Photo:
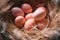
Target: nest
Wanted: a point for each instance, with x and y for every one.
(9, 29)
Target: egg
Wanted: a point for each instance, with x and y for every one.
(43, 24)
(19, 21)
(16, 11)
(29, 16)
(26, 8)
(29, 24)
(39, 14)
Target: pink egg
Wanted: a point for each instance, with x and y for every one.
(29, 24)
(16, 11)
(19, 21)
(26, 8)
(29, 16)
(43, 24)
(39, 14)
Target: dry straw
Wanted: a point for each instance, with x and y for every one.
(34, 33)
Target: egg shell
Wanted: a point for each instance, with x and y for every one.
(39, 14)
(19, 21)
(29, 16)
(43, 24)
(29, 24)
(26, 8)
(16, 11)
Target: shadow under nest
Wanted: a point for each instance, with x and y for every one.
(9, 31)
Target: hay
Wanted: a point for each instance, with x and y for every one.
(34, 34)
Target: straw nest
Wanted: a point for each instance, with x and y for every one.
(14, 33)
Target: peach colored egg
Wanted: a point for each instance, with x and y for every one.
(29, 16)
(19, 21)
(29, 24)
(16, 11)
(43, 24)
(39, 14)
(26, 8)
